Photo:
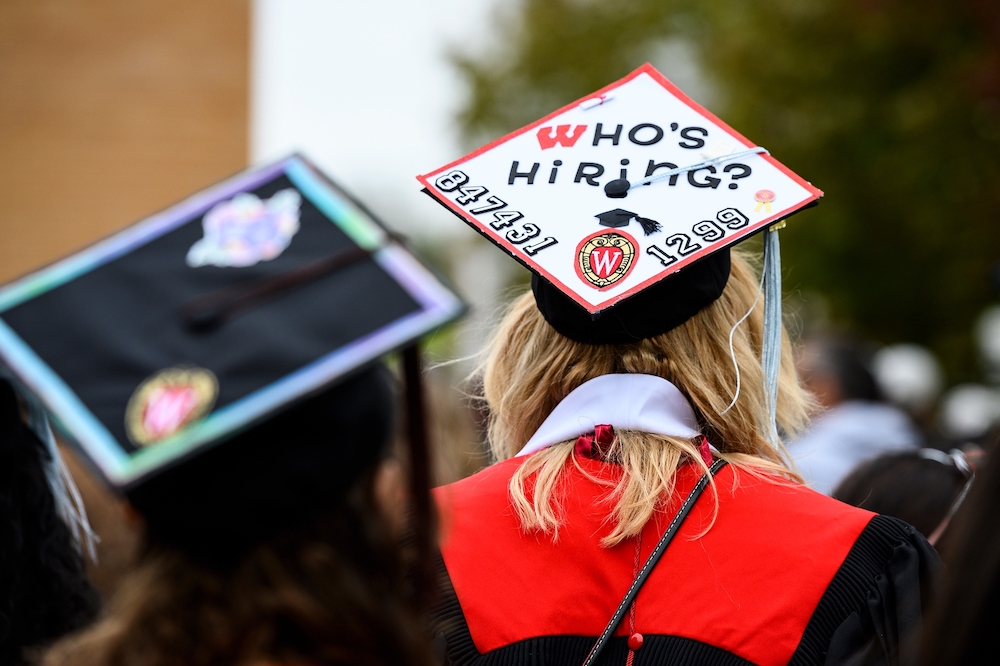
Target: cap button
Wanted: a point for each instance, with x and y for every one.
(635, 641)
(617, 188)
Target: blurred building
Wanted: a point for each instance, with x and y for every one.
(111, 110)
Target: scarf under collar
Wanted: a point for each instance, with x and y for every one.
(645, 403)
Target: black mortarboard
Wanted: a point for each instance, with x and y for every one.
(544, 194)
(618, 218)
(663, 306)
(243, 490)
(205, 322)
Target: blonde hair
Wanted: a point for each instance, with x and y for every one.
(529, 368)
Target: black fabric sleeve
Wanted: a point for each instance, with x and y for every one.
(872, 611)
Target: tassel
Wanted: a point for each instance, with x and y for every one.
(771, 353)
(649, 226)
(69, 503)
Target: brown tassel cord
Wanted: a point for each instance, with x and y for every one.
(420, 469)
(210, 311)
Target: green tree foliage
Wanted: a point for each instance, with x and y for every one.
(892, 107)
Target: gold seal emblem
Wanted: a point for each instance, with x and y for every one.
(168, 401)
(605, 258)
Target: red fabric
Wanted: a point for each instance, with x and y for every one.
(596, 444)
(706, 452)
(749, 585)
(585, 444)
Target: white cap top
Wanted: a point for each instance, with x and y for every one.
(619, 190)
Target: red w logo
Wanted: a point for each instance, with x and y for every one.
(605, 260)
(168, 409)
(549, 137)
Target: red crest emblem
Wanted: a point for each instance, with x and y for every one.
(168, 401)
(605, 258)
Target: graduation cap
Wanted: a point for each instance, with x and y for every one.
(618, 218)
(696, 185)
(700, 186)
(250, 301)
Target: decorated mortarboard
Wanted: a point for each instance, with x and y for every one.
(623, 205)
(608, 197)
(212, 316)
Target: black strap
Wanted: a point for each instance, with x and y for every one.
(654, 557)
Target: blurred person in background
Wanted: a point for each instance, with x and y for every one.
(856, 424)
(924, 488)
(969, 415)
(278, 546)
(910, 377)
(44, 592)
(961, 626)
(243, 413)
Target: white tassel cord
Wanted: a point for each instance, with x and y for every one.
(757, 150)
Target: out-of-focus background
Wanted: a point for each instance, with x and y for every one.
(113, 109)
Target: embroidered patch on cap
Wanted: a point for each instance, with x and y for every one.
(245, 230)
(605, 258)
(168, 401)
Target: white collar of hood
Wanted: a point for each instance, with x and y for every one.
(645, 403)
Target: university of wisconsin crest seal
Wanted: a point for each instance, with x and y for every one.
(168, 401)
(605, 258)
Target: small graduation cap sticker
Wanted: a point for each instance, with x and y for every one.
(213, 315)
(547, 193)
(618, 218)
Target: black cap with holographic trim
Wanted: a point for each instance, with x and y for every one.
(176, 352)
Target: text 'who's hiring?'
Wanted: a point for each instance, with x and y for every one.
(641, 135)
(619, 190)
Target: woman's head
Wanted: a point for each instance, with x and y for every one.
(530, 367)
(272, 547)
(961, 627)
(918, 487)
(329, 589)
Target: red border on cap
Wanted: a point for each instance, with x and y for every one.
(511, 249)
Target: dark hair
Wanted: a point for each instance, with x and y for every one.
(273, 476)
(330, 592)
(270, 547)
(908, 486)
(44, 592)
(961, 628)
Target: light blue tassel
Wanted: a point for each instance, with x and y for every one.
(771, 353)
